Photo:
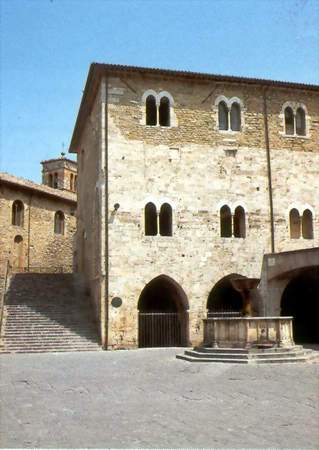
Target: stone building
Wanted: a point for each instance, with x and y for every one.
(37, 221)
(186, 180)
(60, 173)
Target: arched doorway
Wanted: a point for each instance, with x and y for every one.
(163, 314)
(18, 256)
(223, 299)
(300, 299)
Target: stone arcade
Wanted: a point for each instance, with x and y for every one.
(185, 181)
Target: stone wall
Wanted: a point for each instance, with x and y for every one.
(40, 246)
(196, 169)
(91, 198)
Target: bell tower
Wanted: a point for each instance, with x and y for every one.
(60, 173)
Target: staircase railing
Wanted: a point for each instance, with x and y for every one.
(3, 293)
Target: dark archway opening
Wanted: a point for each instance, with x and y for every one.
(301, 300)
(165, 220)
(150, 217)
(151, 111)
(223, 299)
(225, 221)
(239, 223)
(163, 314)
(164, 113)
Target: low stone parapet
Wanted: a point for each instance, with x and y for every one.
(246, 332)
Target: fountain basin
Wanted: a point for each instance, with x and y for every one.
(248, 332)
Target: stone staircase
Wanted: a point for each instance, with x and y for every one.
(296, 354)
(47, 312)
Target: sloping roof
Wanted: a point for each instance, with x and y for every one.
(41, 189)
(98, 69)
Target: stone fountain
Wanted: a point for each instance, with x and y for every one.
(250, 338)
(249, 330)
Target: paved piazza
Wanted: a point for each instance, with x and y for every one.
(147, 398)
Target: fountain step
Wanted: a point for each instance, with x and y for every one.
(296, 354)
(244, 361)
(248, 355)
(245, 351)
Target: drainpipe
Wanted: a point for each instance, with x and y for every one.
(29, 231)
(104, 213)
(270, 191)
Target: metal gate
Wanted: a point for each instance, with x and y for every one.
(161, 329)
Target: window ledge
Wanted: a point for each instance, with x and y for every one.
(229, 131)
(159, 126)
(157, 237)
(301, 239)
(294, 136)
(232, 238)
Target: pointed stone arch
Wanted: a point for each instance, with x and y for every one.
(163, 314)
(223, 298)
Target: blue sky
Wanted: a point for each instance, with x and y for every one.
(48, 45)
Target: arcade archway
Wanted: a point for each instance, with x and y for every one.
(223, 299)
(300, 299)
(163, 314)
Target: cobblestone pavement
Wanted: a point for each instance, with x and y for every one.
(147, 398)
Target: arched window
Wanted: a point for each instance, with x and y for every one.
(164, 113)
(151, 110)
(294, 222)
(71, 182)
(18, 260)
(75, 182)
(165, 220)
(50, 180)
(235, 122)
(17, 213)
(150, 218)
(55, 180)
(59, 222)
(222, 116)
(225, 221)
(300, 122)
(289, 121)
(307, 225)
(239, 222)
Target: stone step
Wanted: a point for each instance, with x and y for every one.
(235, 355)
(53, 350)
(49, 344)
(43, 320)
(243, 361)
(50, 335)
(45, 312)
(49, 338)
(245, 350)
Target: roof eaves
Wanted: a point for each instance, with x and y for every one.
(34, 188)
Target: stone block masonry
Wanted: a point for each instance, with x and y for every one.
(34, 243)
(194, 167)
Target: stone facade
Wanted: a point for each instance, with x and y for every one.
(34, 242)
(194, 167)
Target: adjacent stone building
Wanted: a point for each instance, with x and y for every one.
(38, 222)
(185, 180)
